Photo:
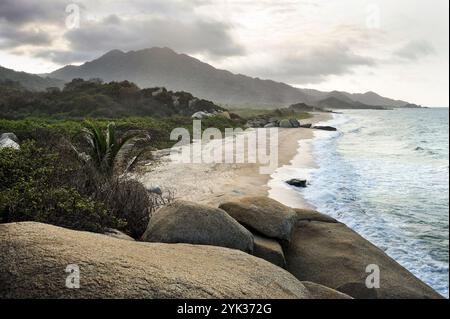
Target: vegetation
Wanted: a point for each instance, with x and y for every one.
(158, 129)
(107, 151)
(35, 184)
(69, 171)
(79, 99)
(281, 113)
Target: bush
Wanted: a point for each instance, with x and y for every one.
(33, 187)
(128, 200)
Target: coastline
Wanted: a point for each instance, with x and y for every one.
(212, 184)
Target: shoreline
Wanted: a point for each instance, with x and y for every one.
(212, 184)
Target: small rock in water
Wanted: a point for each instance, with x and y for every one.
(325, 128)
(297, 182)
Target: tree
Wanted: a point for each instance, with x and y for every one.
(111, 154)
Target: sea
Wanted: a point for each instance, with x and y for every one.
(385, 174)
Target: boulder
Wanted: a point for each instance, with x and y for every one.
(225, 114)
(297, 182)
(187, 222)
(331, 254)
(322, 292)
(271, 124)
(294, 122)
(117, 234)
(285, 123)
(268, 249)
(308, 125)
(11, 136)
(200, 115)
(312, 215)
(36, 260)
(256, 123)
(267, 216)
(325, 128)
(9, 140)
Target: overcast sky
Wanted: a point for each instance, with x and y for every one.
(398, 48)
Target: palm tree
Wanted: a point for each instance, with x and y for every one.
(108, 152)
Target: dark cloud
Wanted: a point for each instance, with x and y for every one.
(198, 36)
(11, 37)
(313, 66)
(18, 12)
(143, 24)
(415, 50)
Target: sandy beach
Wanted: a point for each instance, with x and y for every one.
(219, 182)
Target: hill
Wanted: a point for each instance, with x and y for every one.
(29, 81)
(80, 99)
(164, 67)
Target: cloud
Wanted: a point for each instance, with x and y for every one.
(63, 56)
(19, 12)
(312, 65)
(415, 50)
(197, 36)
(142, 24)
(11, 37)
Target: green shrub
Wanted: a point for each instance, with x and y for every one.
(33, 187)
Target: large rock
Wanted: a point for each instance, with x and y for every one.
(10, 136)
(322, 292)
(297, 182)
(186, 222)
(312, 215)
(264, 215)
(269, 249)
(34, 258)
(200, 115)
(333, 255)
(9, 140)
(117, 234)
(285, 123)
(295, 123)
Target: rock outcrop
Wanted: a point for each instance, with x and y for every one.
(323, 292)
(34, 259)
(117, 234)
(187, 222)
(297, 182)
(285, 123)
(269, 249)
(312, 215)
(9, 140)
(265, 215)
(331, 254)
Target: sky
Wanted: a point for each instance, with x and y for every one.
(397, 48)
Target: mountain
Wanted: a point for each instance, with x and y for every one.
(163, 67)
(29, 81)
(372, 98)
(333, 102)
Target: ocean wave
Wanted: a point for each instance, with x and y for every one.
(371, 180)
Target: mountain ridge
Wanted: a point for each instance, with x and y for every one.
(163, 67)
(32, 82)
